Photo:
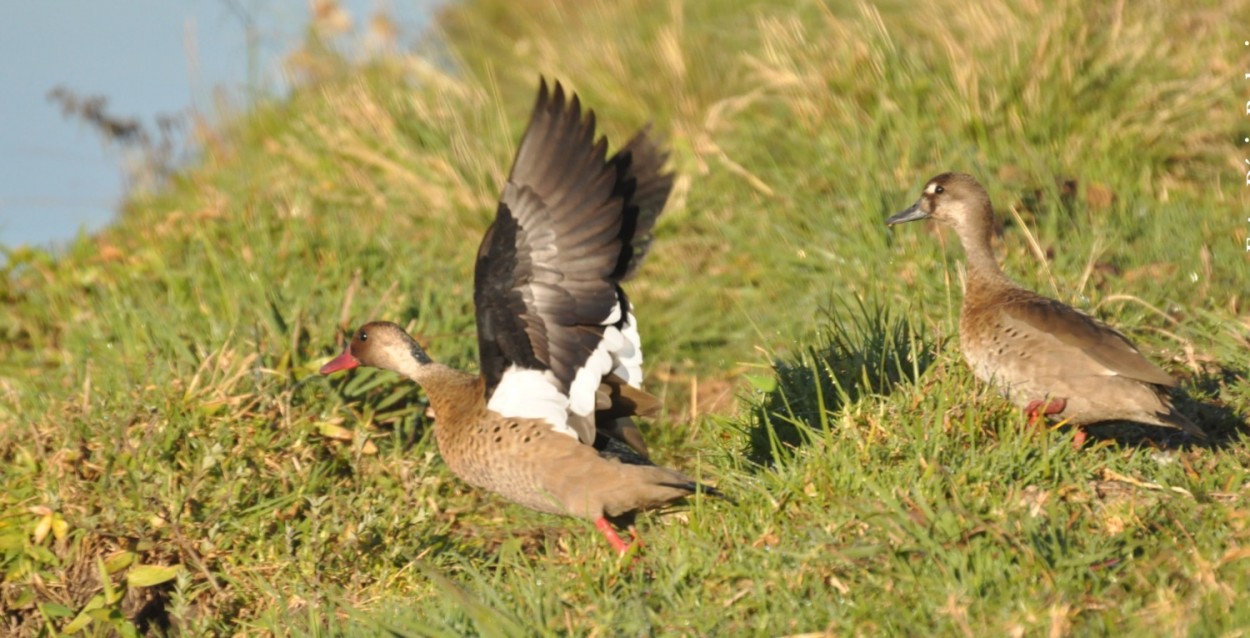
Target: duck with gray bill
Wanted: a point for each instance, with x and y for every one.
(549, 422)
(1046, 357)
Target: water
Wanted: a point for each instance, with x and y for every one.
(148, 57)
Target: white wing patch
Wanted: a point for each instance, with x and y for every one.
(619, 352)
(532, 394)
(629, 358)
(591, 374)
(615, 315)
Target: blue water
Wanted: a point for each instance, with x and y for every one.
(148, 57)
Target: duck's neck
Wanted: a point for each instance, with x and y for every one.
(984, 274)
(455, 396)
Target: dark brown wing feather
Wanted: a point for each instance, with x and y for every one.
(641, 161)
(542, 283)
(1086, 337)
(569, 228)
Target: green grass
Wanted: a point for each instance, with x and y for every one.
(159, 404)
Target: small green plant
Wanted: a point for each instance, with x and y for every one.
(863, 351)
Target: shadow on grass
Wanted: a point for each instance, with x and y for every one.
(865, 351)
(1224, 426)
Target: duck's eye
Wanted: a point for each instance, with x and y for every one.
(938, 189)
(363, 336)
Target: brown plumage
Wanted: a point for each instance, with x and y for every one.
(1046, 357)
(549, 422)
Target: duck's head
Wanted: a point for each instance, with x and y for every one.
(952, 198)
(379, 344)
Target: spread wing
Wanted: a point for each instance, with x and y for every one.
(642, 159)
(552, 320)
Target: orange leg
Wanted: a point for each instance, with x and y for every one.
(604, 526)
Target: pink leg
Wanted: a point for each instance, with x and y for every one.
(604, 526)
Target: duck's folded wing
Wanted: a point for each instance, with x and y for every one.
(1085, 342)
(550, 316)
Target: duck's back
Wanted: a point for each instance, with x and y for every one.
(526, 462)
(1035, 348)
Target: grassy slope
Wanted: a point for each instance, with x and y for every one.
(158, 402)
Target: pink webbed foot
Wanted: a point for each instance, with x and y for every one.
(1040, 409)
(613, 538)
